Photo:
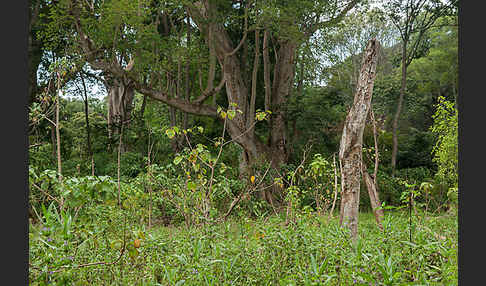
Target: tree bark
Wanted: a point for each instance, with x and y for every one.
(282, 83)
(88, 131)
(371, 182)
(373, 193)
(120, 102)
(350, 150)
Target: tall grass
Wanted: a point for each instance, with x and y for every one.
(313, 251)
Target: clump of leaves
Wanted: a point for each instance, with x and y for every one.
(446, 148)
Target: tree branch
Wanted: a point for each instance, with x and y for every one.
(331, 21)
(178, 103)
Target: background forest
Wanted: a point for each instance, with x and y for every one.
(190, 140)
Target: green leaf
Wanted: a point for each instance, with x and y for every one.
(191, 186)
(133, 252)
(260, 115)
(200, 148)
(177, 160)
(170, 133)
(231, 114)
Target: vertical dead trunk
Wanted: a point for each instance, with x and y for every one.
(399, 108)
(350, 150)
(373, 193)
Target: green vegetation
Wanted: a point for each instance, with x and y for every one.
(197, 143)
(313, 251)
(92, 239)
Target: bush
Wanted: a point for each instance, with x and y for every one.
(446, 149)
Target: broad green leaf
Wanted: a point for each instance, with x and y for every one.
(231, 114)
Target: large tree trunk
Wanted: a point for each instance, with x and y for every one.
(240, 127)
(350, 150)
(282, 84)
(120, 101)
(399, 108)
(283, 77)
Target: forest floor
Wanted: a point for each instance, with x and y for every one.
(311, 251)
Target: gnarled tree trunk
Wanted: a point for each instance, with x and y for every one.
(120, 101)
(350, 150)
(234, 74)
(277, 92)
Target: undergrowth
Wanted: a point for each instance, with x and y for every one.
(111, 249)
